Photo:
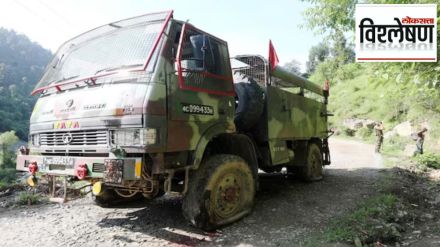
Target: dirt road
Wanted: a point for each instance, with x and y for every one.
(285, 213)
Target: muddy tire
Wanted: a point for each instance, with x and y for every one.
(313, 170)
(250, 97)
(110, 198)
(220, 192)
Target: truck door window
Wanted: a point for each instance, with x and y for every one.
(203, 63)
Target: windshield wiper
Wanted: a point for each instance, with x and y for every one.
(118, 67)
(58, 62)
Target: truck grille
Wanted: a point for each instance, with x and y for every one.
(75, 138)
(98, 167)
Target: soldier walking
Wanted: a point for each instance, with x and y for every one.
(379, 135)
(420, 139)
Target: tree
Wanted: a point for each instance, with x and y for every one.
(317, 55)
(21, 65)
(329, 16)
(341, 50)
(7, 140)
(293, 66)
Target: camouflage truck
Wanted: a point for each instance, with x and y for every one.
(150, 105)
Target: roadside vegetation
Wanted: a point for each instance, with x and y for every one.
(21, 65)
(29, 198)
(428, 160)
(373, 220)
(403, 210)
(7, 159)
(9, 186)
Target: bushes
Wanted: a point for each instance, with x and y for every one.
(372, 220)
(28, 198)
(396, 143)
(347, 131)
(7, 176)
(364, 133)
(428, 160)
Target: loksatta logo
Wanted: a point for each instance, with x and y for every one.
(396, 32)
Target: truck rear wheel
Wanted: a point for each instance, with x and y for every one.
(220, 192)
(250, 101)
(313, 170)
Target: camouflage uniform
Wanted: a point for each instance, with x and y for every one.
(379, 136)
(419, 141)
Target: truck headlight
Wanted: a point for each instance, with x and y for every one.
(134, 137)
(35, 140)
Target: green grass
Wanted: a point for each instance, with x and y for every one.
(370, 220)
(7, 177)
(29, 198)
(428, 160)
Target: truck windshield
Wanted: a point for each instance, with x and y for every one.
(119, 45)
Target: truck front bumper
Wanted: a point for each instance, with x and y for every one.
(97, 167)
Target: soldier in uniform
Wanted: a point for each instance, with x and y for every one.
(420, 139)
(379, 136)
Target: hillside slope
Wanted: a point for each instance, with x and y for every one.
(362, 91)
(21, 65)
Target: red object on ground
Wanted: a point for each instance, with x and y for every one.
(273, 57)
(33, 167)
(81, 171)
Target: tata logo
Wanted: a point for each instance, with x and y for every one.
(67, 138)
(69, 103)
(66, 125)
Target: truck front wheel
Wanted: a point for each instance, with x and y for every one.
(220, 192)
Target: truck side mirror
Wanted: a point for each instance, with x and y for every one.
(197, 54)
(193, 54)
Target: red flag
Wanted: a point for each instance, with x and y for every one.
(273, 58)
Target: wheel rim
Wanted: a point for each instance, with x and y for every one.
(227, 198)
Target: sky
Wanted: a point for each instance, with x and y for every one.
(246, 25)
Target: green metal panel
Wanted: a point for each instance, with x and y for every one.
(292, 116)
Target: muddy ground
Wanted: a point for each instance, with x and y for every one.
(286, 212)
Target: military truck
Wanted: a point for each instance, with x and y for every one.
(150, 105)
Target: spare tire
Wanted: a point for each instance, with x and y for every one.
(250, 98)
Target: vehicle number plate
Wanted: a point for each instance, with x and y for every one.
(68, 162)
(197, 109)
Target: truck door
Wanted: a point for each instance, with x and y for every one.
(202, 93)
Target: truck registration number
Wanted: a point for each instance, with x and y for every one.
(197, 109)
(67, 162)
